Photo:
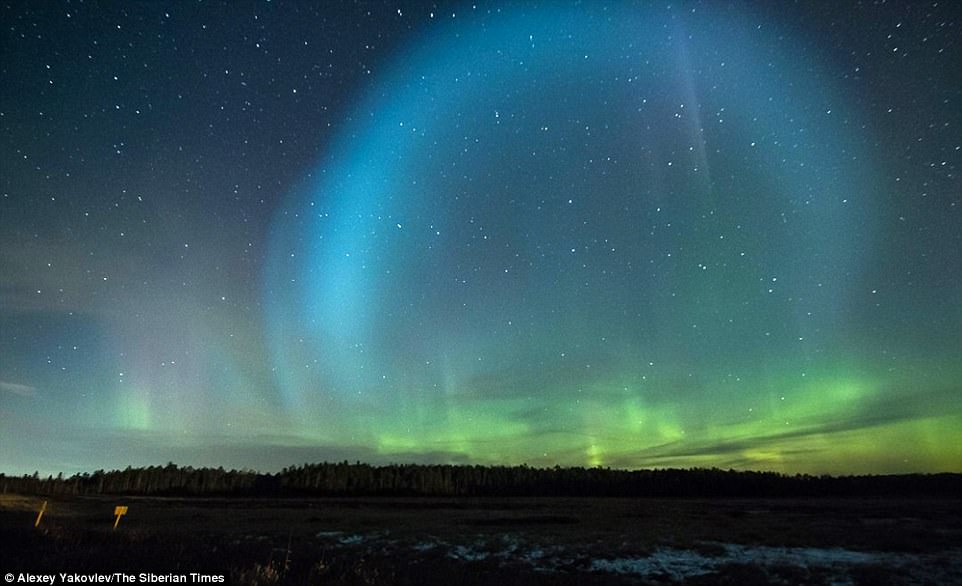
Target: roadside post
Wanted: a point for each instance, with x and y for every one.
(40, 514)
(119, 511)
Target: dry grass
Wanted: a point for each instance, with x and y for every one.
(462, 541)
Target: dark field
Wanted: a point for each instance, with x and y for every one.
(494, 540)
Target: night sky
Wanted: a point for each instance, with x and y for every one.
(627, 235)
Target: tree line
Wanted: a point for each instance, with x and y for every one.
(358, 479)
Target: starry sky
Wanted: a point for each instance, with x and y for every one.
(672, 234)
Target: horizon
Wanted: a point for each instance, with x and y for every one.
(621, 236)
(391, 463)
(64, 476)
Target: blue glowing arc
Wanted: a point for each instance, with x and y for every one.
(375, 239)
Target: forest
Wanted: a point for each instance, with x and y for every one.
(359, 479)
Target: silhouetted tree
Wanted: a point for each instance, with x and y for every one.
(344, 479)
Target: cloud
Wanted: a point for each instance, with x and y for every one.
(18, 389)
(884, 409)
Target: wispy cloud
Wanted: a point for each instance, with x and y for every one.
(885, 409)
(18, 389)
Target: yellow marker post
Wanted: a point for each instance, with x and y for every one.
(119, 511)
(40, 514)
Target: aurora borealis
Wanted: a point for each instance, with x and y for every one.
(616, 234)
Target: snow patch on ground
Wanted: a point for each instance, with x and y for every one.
(829, 565)
(677, 563)
(680, 564)
(804, 556)
(463, 552)
(351, 540)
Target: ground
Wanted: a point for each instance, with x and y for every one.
(492, 540)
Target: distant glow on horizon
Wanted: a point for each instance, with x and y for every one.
(587, 236)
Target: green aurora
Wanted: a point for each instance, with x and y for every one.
(605, 235)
